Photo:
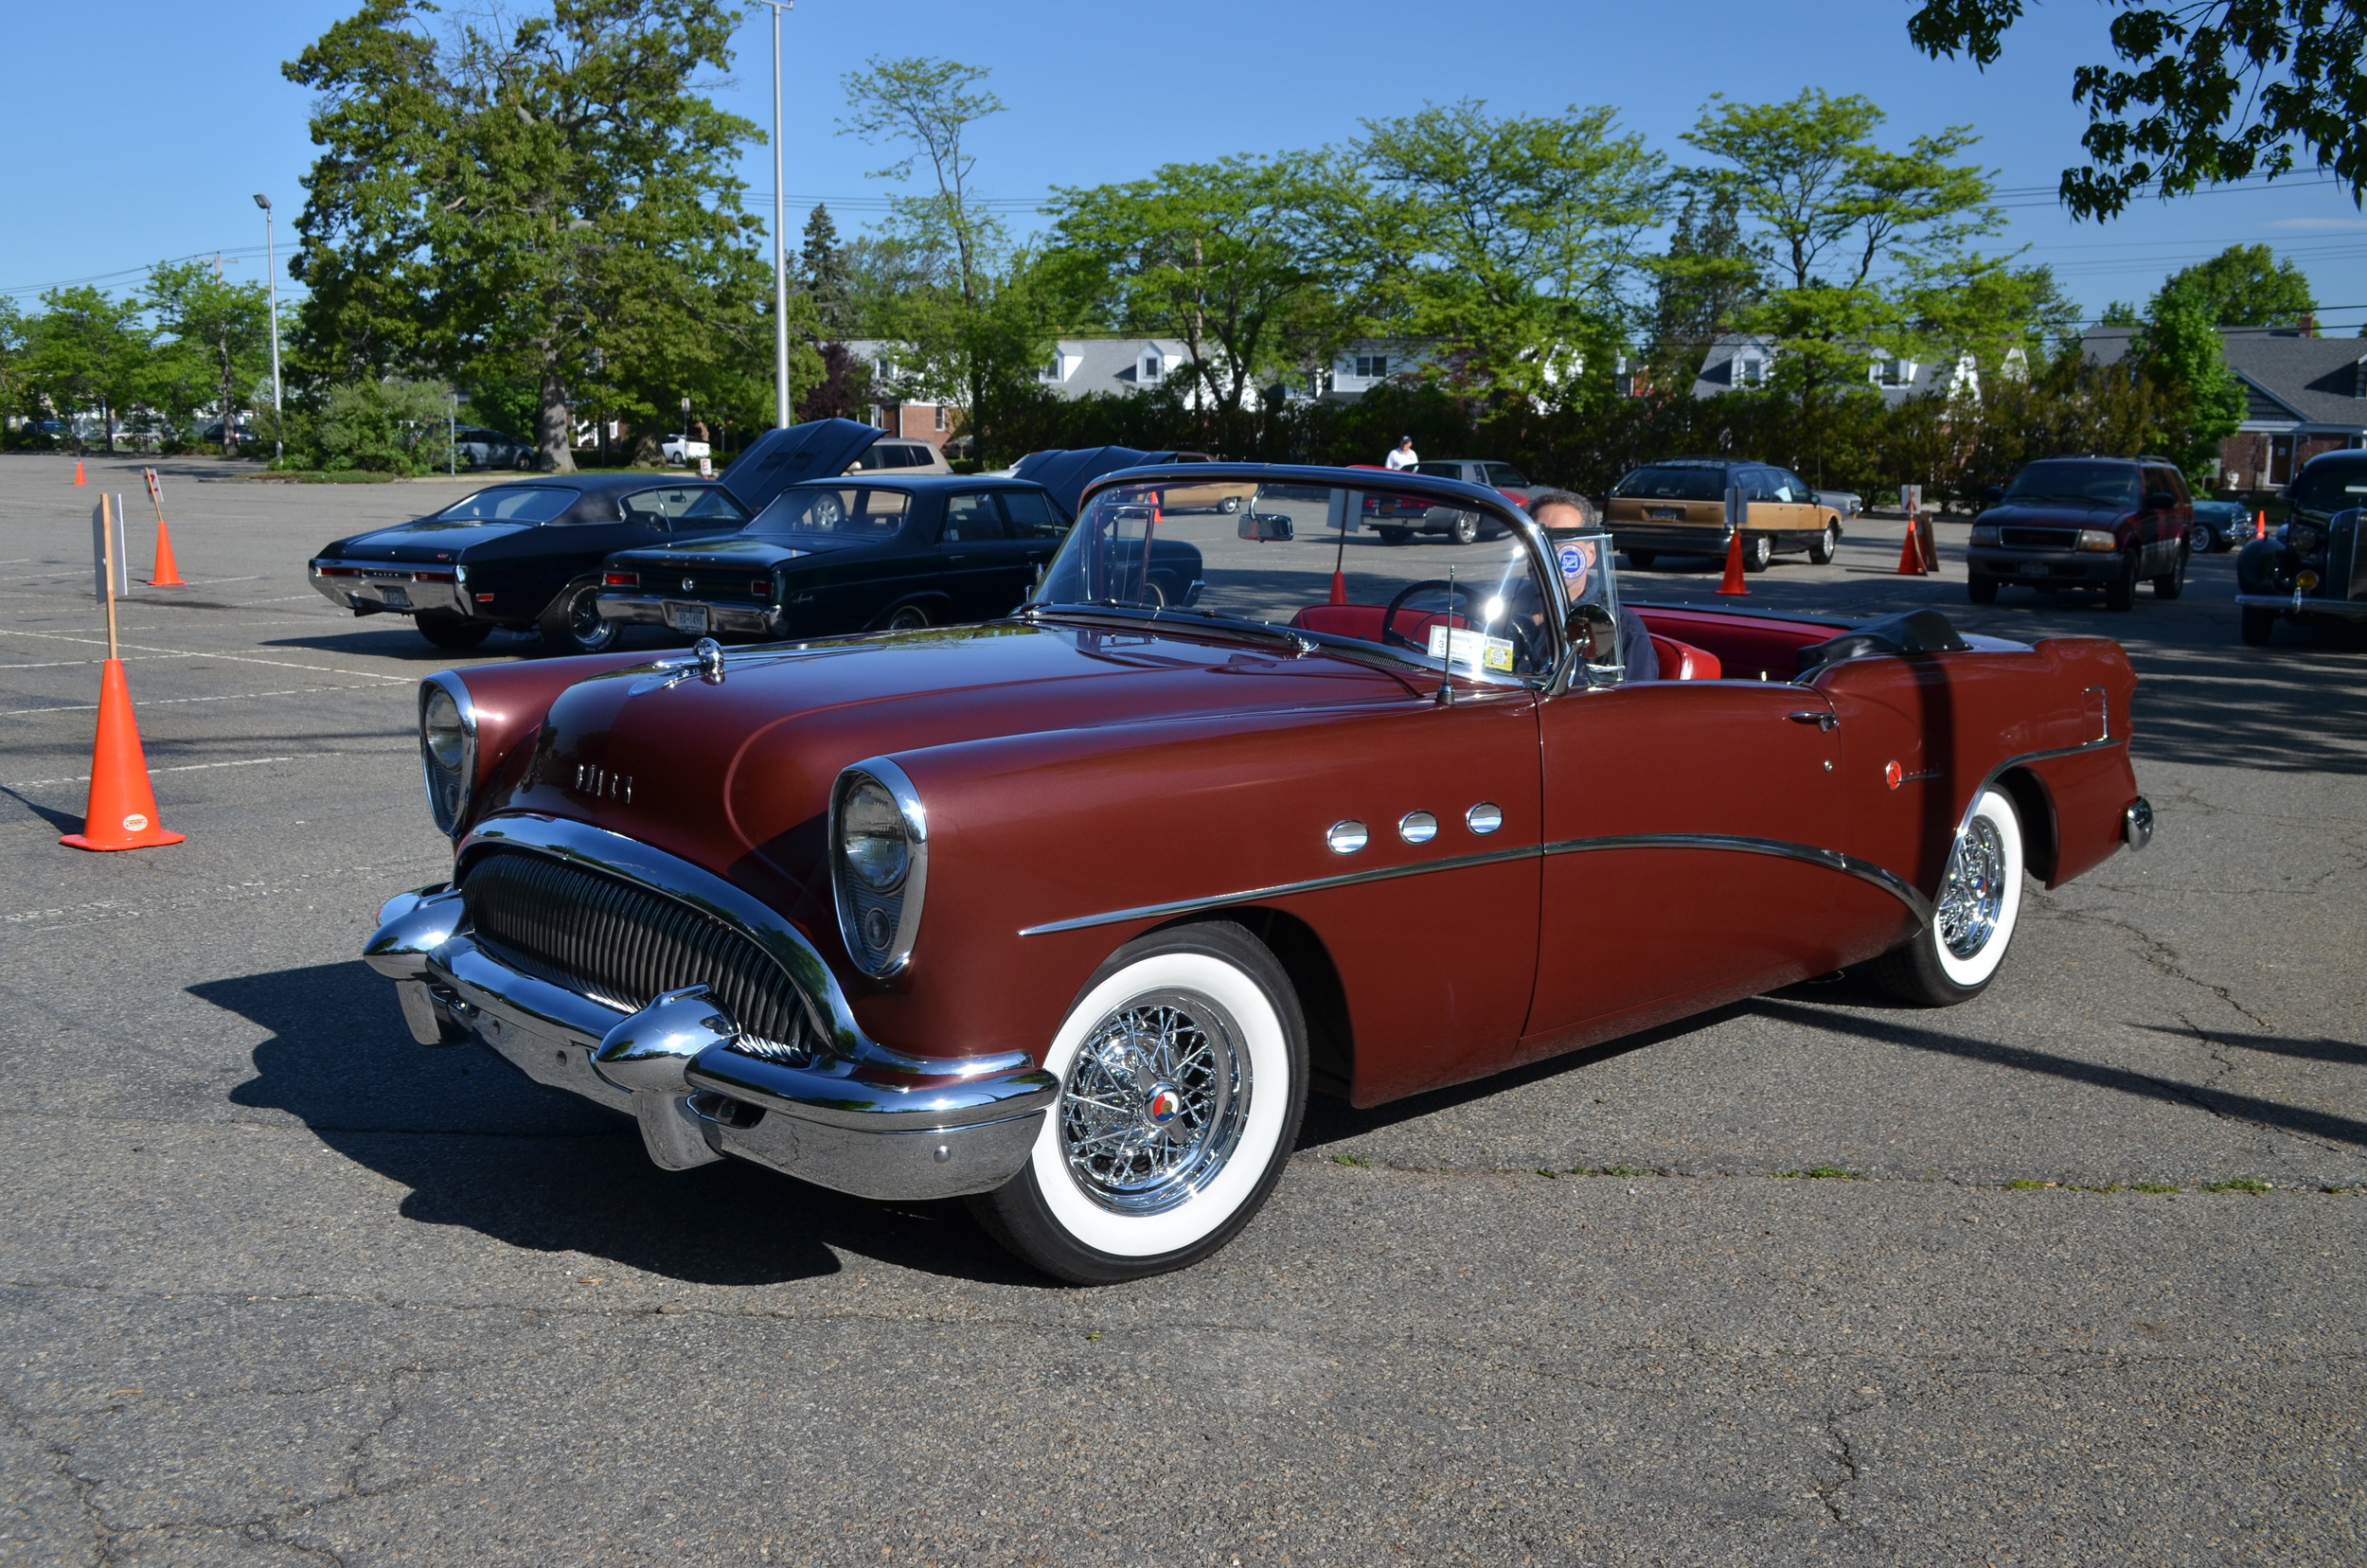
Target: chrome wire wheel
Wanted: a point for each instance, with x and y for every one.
(1973, 896)
(1154, 1102)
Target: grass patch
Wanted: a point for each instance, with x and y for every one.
(2159, 1187)
(1820, 1173)
(1362, 1162)
(1609, 1170)
(2024, 1183)
(2241, 1183)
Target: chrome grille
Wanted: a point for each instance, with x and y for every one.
(619, 944)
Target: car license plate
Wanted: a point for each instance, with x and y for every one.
(393, 597)
(686, 617)
(1665, 514)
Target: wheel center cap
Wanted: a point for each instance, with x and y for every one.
(1163, 1106)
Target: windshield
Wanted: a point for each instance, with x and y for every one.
(705, 506)
(511, 503)
(840, 511)
(1424, 580)
(2331, 486)
(1688, 483)
(2076, 484)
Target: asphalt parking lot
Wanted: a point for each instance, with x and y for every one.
(2071, 1275)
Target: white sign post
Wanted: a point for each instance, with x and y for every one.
(107, 555)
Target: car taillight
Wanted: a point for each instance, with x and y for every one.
(620, 580)
(434, 577)
(338, 571)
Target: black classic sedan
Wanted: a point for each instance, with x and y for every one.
(519, 556)
(829, 556)
(2314, 568)
(526, 556)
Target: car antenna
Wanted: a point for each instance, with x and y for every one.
(1446, 675)
(1340, 556)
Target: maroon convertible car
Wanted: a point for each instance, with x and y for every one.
(1067, 912)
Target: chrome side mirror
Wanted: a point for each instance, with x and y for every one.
(1266, 528)
(1594, 633)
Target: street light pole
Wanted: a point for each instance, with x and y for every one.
(270, 270)
(781, 242)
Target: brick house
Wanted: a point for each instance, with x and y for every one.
(2303, 395)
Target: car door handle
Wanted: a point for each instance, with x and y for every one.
(1822, 721)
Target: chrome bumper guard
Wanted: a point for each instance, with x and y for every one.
(2297, 603)
(367, 591)
(864, 1120)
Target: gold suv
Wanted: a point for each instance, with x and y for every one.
(1678, 507)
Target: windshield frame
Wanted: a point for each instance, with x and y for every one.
(573, 493)
(1463, 495)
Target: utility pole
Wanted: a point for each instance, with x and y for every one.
(781, 242)
(271, 269)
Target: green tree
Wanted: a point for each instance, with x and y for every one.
(2204, 91)
(396, 424)
(86, 352)
(1509, 242)
(516, 202)
(1701, 285)
(1866, 248)
(822, 274)
(1233, 258)
(926, 106)
(2242, 286)
(215, 343)
(2179, 353)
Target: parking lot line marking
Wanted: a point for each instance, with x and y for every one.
(231, 658)
(69, 664)
(114, 909)
(171, 702)
(181, 767)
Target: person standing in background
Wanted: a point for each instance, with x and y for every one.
(1402, 457)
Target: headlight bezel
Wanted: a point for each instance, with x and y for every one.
(866, 910)
(449, 787)
(2097, 541)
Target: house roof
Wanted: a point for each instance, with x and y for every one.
(2287, 378)
(1717, 373)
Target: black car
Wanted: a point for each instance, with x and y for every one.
(526, 556)
(2315, 566)
(2100, 522)
(847, 555)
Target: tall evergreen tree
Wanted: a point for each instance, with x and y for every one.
(1704, 284)
(822, 273)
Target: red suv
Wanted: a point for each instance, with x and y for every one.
(2084, 523)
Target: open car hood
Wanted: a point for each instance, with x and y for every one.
(1066, 472)
(819, 449)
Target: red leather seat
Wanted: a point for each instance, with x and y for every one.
(1362, 622)
(1685, 662)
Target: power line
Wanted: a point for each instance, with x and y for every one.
(244, 253)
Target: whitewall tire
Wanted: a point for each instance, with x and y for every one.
(1183, 1076)
(1953, 958)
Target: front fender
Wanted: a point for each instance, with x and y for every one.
(2265, 566)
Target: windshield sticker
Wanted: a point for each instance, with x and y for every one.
(1473, 650)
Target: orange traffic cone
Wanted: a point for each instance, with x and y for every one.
(78, 470)
(1734, 567)
(2262, 531)
(121, 814)
(1910, 551)
(167, 575)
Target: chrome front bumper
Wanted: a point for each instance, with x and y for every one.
(865, 1119)
(2302, 604)
(640, 609)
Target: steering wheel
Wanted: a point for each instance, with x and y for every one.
(1392, 637)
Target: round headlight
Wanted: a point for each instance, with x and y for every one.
(441, 731)
(872, 837)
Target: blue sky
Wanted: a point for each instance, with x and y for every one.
(139, 133)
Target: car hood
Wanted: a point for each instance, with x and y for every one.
(819, 449)
(759, 551)
(736, 774)
(2015, 516)
(1064, 473)
(426, 540)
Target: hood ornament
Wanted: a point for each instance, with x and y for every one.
(709, 655)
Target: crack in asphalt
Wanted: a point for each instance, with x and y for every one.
(1846, 1457)
(2155, 953)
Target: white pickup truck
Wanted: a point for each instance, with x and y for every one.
(682, 449)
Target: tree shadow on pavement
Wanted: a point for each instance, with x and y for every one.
(2320, 1050)
(2297, 1119)
(481, 1146)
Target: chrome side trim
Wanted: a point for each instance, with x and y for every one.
(598, 849)
(1831, 860)
(1973, 804)
(1276, 890)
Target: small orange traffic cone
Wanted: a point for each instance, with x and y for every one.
(167, 575)
(1734, 567)
(2262, 531)
(121, 814)
(1910, 551)
(78, 470)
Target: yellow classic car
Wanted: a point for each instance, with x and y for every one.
(1677, 506)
